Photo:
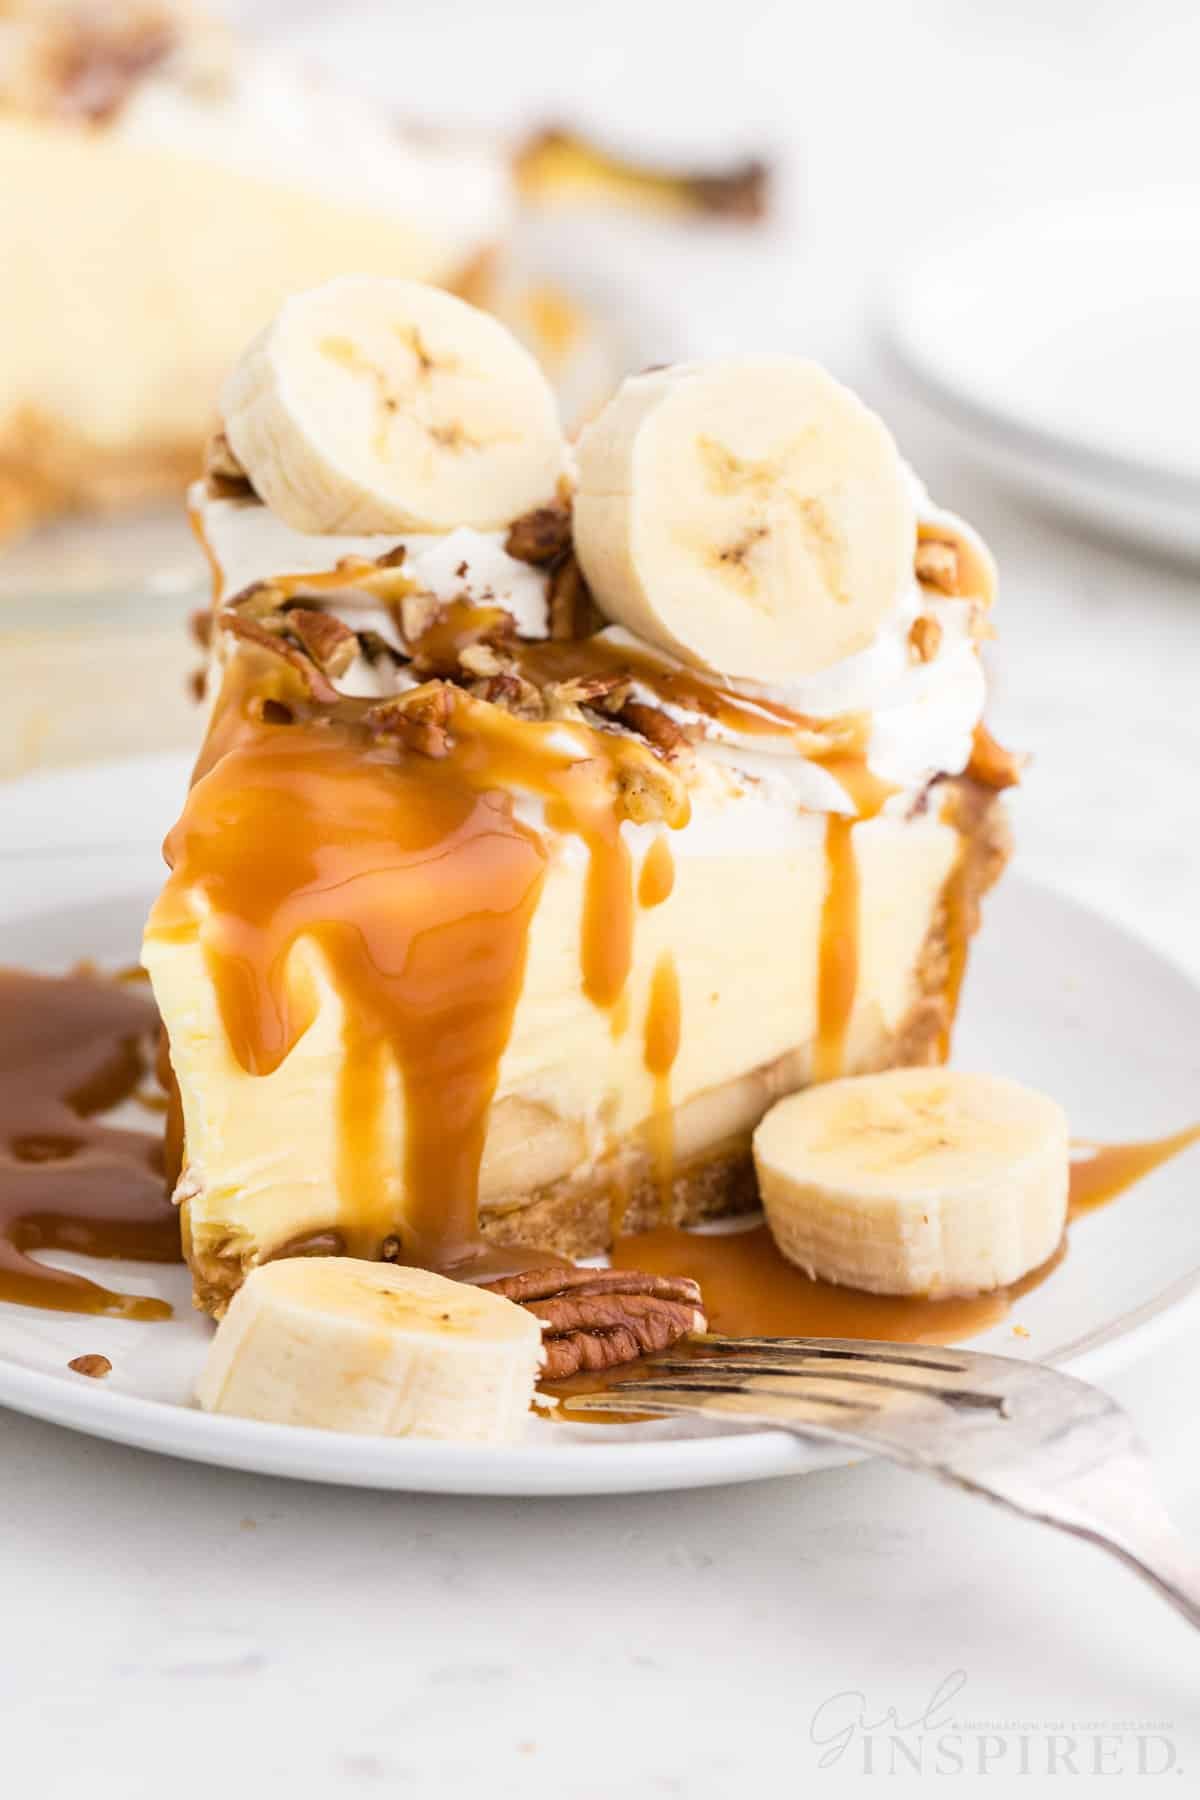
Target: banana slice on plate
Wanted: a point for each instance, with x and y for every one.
(373, 405)
(916, 1181)
(750, 515)
(369, 1347)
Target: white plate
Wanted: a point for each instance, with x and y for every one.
(1065, 345)
(1056, 996)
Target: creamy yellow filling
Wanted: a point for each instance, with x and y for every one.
(744, 934)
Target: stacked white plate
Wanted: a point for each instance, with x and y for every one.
(1064, 346)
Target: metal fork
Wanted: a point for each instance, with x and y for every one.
(1036, 1440)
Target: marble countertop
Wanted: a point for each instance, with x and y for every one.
(175, 1630)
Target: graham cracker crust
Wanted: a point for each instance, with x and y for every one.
(47, 471)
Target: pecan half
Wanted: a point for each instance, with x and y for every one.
(540, 536)
(598, 1318)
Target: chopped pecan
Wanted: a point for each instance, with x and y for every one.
(375, 646)
(419, 719)
(480, 660)
(925, 637)
(221, 464)
(200, 625)
(253, 631)
(332, 645)
(569, 603)
(557, 154)
(605, 693)
(738, 193)
(937, 565)
(656, 726)
(990, 764)
(417, 614)
(106, 58)
(439, 648)
(94, 1365)
(648, 793)
(540, 536)
(393, 558)
(260, 600)
(512, 693)
(597, 1318)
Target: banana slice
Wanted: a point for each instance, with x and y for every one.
(917, 1181)
(749, 515)
(369, 1347)
(383, 405)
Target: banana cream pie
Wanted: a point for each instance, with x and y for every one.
(561, 809)
(164, 189)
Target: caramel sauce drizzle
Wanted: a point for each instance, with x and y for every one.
(686, 688)
(660, 1048)
(195, 518)
(837, 974)
(656, 881)
(418, 883)
(1099, 1172)
(70, 1048)
(750, 1290)
(837, 970)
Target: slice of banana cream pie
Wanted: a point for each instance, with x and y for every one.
(561, 809)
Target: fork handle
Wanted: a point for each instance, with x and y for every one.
(1160, 1556)
(1118, 1511)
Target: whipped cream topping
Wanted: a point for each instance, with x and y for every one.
(269, 119)
(249, 543)
(921, 715)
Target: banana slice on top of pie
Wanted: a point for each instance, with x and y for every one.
(561, 808)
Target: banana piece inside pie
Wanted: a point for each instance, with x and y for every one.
(500, 911)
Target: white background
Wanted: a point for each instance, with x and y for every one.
(176, 1631)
